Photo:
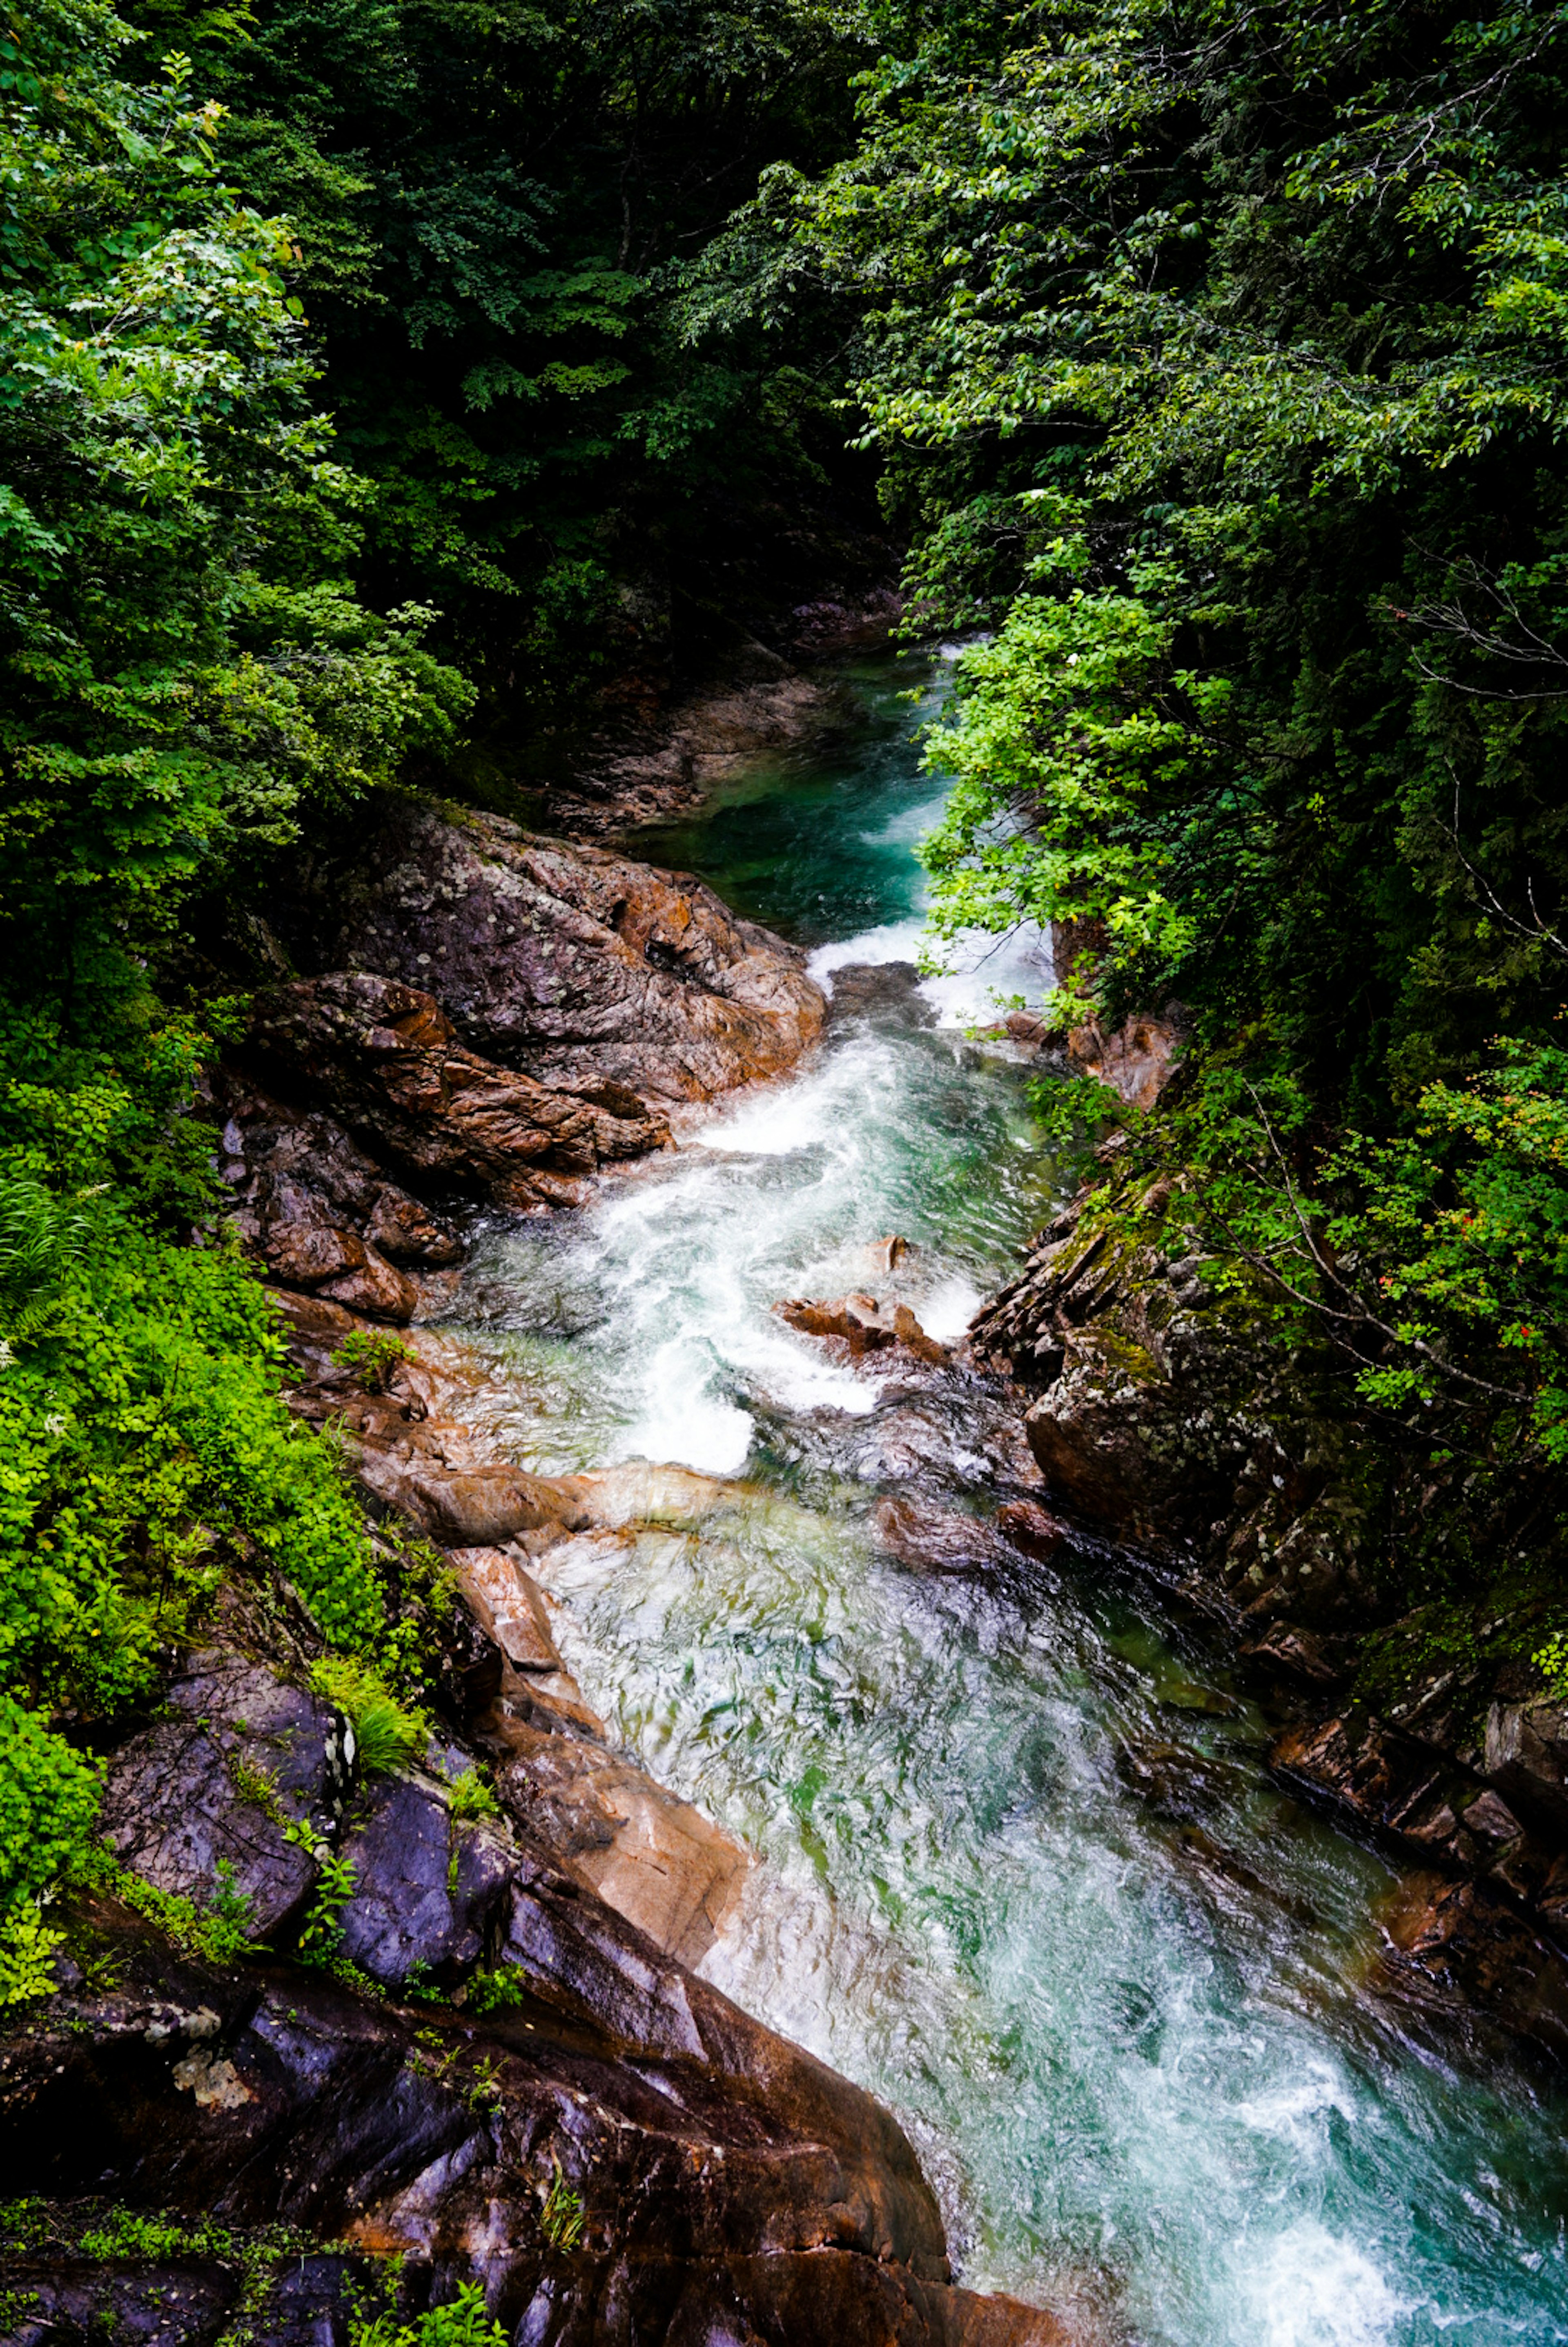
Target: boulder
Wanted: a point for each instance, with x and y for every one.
(1460, 1946)
(384, 1057)
(510, 1603)
(315, 1211)
(426, 1885)
(243, 1754)
(935, 1540)
(1526, 1760)
(1028, 1527)
(863, 1324)
(650, 1856)
(597, 976)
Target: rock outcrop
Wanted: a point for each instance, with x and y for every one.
(486, 1016)
(601, 979)
(1162, 1409)
(709, 2181)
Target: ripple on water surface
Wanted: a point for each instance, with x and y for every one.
(1132, 2039)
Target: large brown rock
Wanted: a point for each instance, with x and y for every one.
(315, 1211)
(864, 1323)
(385, 1058)
(596, 976)
(1526, 1759)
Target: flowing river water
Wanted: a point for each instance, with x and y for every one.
(1140, 2048)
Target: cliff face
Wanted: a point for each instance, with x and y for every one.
(487, 1015)
(1162, 1406)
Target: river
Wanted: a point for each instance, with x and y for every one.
(1139, 2049)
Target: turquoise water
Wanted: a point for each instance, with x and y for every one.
(1140, 2047)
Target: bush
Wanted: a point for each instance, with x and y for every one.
(386, 1735)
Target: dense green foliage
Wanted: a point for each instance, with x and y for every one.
(328, 334)
(184, 665)
(487, 205)
(373, 374)
(1217, 361)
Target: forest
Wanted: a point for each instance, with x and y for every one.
(373, 370)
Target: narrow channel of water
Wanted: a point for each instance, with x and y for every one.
(1136, 2043)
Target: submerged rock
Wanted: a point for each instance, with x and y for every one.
(863, 1324)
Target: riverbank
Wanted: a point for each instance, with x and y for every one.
(1023, 1871)
(835, 1706)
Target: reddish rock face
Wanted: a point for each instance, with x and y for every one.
(494, 1015)
(592, 974)
(316, 1211)
(385, 1057)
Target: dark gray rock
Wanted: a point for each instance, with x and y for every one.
(1527, 1760)
(426, 1886)
(243, 1754)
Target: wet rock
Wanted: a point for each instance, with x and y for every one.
(1029, 1528)
(1155, 1408)
(1174, 1779)
(427, 1886)
(1526, 1760)
(243, 1754)
(1462, 1942)
(511, 1605)
(315, 1211)
(649, 1855)
(600, 978)
(1212, 1859)
(863, 1324)
(386, 1059)
(78, 2301)
(428, 1467)
(472, 1506)
(886, 991)
(726, 2176)
(1383, 1782)
(1297, 1654)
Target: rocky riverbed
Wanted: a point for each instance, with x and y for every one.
(802, 1645)
(511, 2013)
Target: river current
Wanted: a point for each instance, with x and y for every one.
(1144, 2059)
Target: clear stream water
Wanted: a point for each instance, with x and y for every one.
(1141, 2052)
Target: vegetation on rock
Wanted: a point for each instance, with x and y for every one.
(1217, 363)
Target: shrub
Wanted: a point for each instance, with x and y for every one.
(372, 1354)
(461, 2322)
(27, 1946)
(387, 1736)
(469, 1796)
